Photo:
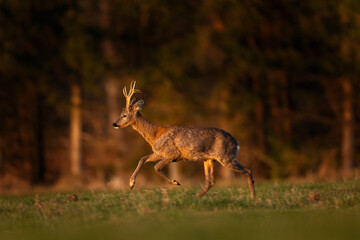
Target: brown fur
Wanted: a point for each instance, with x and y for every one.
(173, 144)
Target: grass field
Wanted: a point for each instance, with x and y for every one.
(280, 211)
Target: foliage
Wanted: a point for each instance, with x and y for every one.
(269, 72)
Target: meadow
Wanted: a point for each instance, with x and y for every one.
(326, 210)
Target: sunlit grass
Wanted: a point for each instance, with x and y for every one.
(299, 211)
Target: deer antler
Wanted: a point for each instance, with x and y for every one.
(131, 92)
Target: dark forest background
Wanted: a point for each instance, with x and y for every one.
(280, 76)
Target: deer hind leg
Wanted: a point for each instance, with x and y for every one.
(238, 167)
(148, 158)
(209, 177)
(158, 168)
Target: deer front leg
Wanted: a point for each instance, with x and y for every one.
(158, 168)
(148, 158)
(209, 177)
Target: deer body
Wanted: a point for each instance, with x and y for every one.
(190, 143)
(173, 144)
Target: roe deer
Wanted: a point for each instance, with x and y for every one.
(173, 144)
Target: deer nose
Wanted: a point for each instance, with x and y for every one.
(115, 125)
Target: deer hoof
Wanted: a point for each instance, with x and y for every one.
(132, 184)
(174, 182)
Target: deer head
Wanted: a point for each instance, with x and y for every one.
(128, 114)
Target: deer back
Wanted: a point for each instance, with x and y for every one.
(195, 143)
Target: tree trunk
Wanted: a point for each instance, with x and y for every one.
(107, 44)
(259, 132)
(117, 145)
(112, 87)
(109, 53)
(347, 127)
(75, 130)
(38, 167)
(285, 100)
(26, 126)
(275, 112)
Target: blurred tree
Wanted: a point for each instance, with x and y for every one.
(75, 131)
(114, 74)
(81, 68)
(348, 127)
(281, 76)
(28, 43)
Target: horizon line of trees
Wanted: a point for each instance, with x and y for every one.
(280, 76)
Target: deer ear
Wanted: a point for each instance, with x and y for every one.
(133, 101)
(138, 105)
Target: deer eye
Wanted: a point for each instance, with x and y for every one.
(124, 116)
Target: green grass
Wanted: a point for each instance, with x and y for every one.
(280, 211)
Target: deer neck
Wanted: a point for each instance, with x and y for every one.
(146, 129)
